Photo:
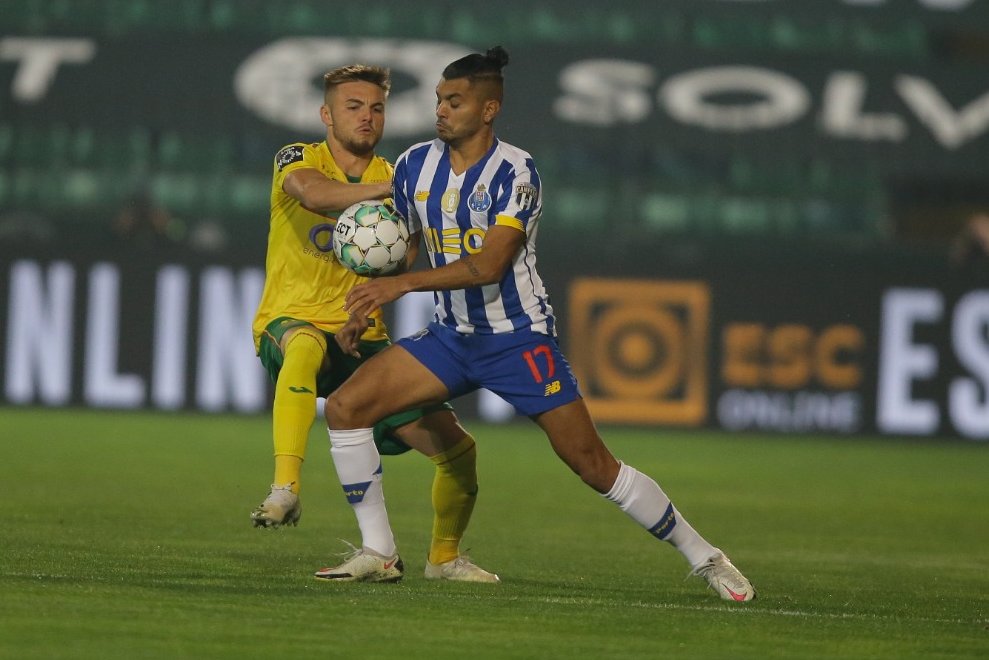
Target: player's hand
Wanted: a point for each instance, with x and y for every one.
(349, 336)
(365, 298)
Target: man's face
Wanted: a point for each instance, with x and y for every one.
(355, 116)
(461, 110)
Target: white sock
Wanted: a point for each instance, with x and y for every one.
(642, 499)
(358, 465)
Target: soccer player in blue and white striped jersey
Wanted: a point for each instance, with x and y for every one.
(476, 201)
(501, 190)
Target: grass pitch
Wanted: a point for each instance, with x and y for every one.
(127, 535)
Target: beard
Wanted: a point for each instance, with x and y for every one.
(446, 135)
(360, 146)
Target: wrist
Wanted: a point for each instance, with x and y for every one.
(407, 282)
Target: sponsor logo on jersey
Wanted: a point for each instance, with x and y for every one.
(290, 154)
(422, 195)
(321, 236)
(480, 199)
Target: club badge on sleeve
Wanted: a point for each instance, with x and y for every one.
(287, 155)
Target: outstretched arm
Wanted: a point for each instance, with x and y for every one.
(501, 244)
(318, 193)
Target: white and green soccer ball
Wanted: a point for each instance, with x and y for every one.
(370, 238)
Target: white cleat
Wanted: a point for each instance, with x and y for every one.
(361, 566)
(281, 507)
(726, 580)
(460, 569)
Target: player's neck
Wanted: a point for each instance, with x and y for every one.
(351, 164)
(465, 153)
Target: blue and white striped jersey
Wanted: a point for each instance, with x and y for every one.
(455, 211)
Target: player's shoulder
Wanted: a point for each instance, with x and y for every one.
(293, 153)
(418, 150)
(381, 161)
(520, 158)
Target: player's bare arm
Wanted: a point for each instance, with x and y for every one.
(319, 193)
(487, 266)
(412, 253)
(348, 337)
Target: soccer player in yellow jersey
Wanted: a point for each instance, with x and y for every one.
(302, 307)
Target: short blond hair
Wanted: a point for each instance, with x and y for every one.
(376, 75)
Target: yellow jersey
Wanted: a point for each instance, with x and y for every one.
(303, 278)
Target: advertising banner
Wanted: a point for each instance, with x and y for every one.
(859, 351)
(855, 347)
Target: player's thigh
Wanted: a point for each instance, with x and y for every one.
(307, 329)
(274, 340)
(390, 382)
(433, 433)
(575, 440)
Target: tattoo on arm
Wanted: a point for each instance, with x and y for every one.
(470, 266)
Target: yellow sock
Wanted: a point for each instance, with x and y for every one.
(295, 405)
(454, 494)
(288, 470)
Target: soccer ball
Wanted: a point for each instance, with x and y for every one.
(370, 238)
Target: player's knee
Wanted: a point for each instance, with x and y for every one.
(335, 413)
(343, 414)
(306, 337)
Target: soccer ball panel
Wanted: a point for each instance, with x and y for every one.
(351, 256)
(378, 257)
(387, 232)
(367, 216)
(365, 238)
(398, 250)
(343, 233)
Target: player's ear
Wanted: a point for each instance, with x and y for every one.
(491, 109)
(324, 114)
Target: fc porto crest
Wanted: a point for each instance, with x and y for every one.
(479, 200)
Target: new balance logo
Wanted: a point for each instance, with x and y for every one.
(553, 388)
(300, 390)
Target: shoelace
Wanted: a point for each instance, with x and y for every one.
(347, 555)
(703, 569)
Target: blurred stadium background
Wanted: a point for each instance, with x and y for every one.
(759, 215)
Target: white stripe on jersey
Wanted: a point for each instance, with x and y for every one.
(454, 211)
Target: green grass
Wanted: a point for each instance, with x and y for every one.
(127, 535)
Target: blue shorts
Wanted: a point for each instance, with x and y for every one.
(524, 368)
